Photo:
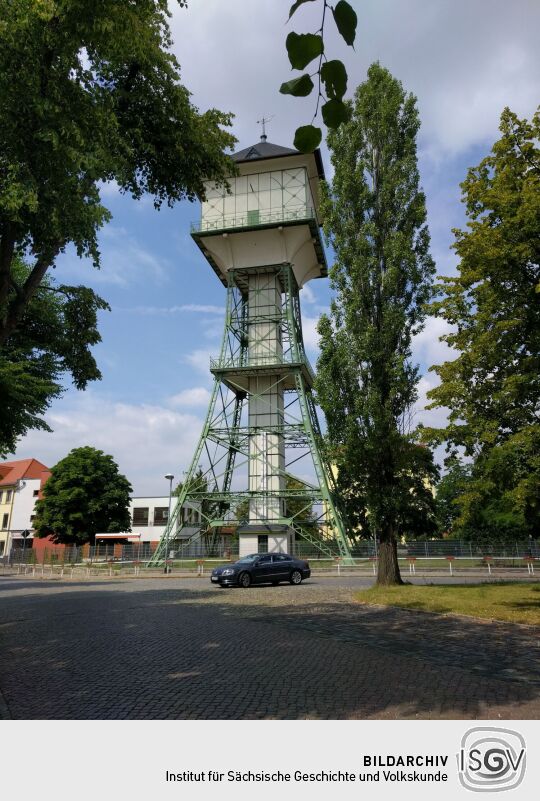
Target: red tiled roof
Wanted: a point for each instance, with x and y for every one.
(11, 472)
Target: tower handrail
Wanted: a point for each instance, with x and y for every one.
(249, 220)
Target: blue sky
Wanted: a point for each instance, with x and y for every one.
(464, 61)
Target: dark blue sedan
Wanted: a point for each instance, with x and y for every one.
(261, 568)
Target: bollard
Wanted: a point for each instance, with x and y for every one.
(450, 559)
(373, 559)
(200, 567)
(338, 564)
(412, 568)
(488, 560)
(530, 564)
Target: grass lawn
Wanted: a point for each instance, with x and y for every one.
(515, 602)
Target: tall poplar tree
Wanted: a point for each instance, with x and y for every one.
(375, 218)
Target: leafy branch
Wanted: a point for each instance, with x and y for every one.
(303, 49)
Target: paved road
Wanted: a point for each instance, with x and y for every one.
(179, 648)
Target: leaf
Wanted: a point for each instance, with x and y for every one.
(303, 48)
(334, 113)
(297, 5)
(334, 76)
(307, 138)
(298, 87)
(346, 21)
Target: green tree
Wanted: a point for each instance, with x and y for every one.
(375, 217)
(200, 486)
(60, 326)
(417, 507)
(449, 491)
(89, 93)
(85, 495)
(492, 387)
(500, 501)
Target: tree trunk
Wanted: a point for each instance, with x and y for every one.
(387, 566)
(25, 294)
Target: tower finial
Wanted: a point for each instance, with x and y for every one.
(263, 122)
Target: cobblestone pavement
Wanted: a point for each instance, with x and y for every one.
(182, 649)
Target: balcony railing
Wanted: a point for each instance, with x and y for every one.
(254, 362)
(250, 219)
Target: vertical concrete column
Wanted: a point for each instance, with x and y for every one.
(265, 348)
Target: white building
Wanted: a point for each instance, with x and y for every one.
(149, 517)
(20, 484)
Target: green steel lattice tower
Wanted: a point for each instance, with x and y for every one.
(261, 449)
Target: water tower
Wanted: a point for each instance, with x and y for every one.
(264, 473)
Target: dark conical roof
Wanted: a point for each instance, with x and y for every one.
(263, 150)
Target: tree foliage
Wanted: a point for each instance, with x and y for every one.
(200, 486)
(89, 93)
(60, 326)
(501, 501)
(449, 491)
(375, 217)
(85, 495)
(492, 387)
(330, 75)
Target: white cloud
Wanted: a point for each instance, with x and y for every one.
(465, 61)
(435, 418)
(311, 337)
(109, 189)
(427, 347)
(145, 440)
(200, 359)
(194, 307)
(124, 261)
(196, 396)
(168, 310)
(307, 295)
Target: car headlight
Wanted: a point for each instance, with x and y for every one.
(228, 571)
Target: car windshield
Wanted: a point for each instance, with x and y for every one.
(247, 559)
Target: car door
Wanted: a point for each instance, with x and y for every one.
(262, 569)
(282, 566)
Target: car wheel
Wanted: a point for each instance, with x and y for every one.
(244, 580)
(296, 577)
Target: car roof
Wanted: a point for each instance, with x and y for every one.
(265, 553)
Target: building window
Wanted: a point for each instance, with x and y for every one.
(161, 513)
(140, 516)
(262, 543)
(1, 495)
(5, 520)
(36, 493)
(9, 493)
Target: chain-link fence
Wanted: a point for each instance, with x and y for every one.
(141, 552)
(419, 557)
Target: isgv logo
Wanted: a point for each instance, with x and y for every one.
(491, 759)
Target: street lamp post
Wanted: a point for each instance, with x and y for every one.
(169, 477)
